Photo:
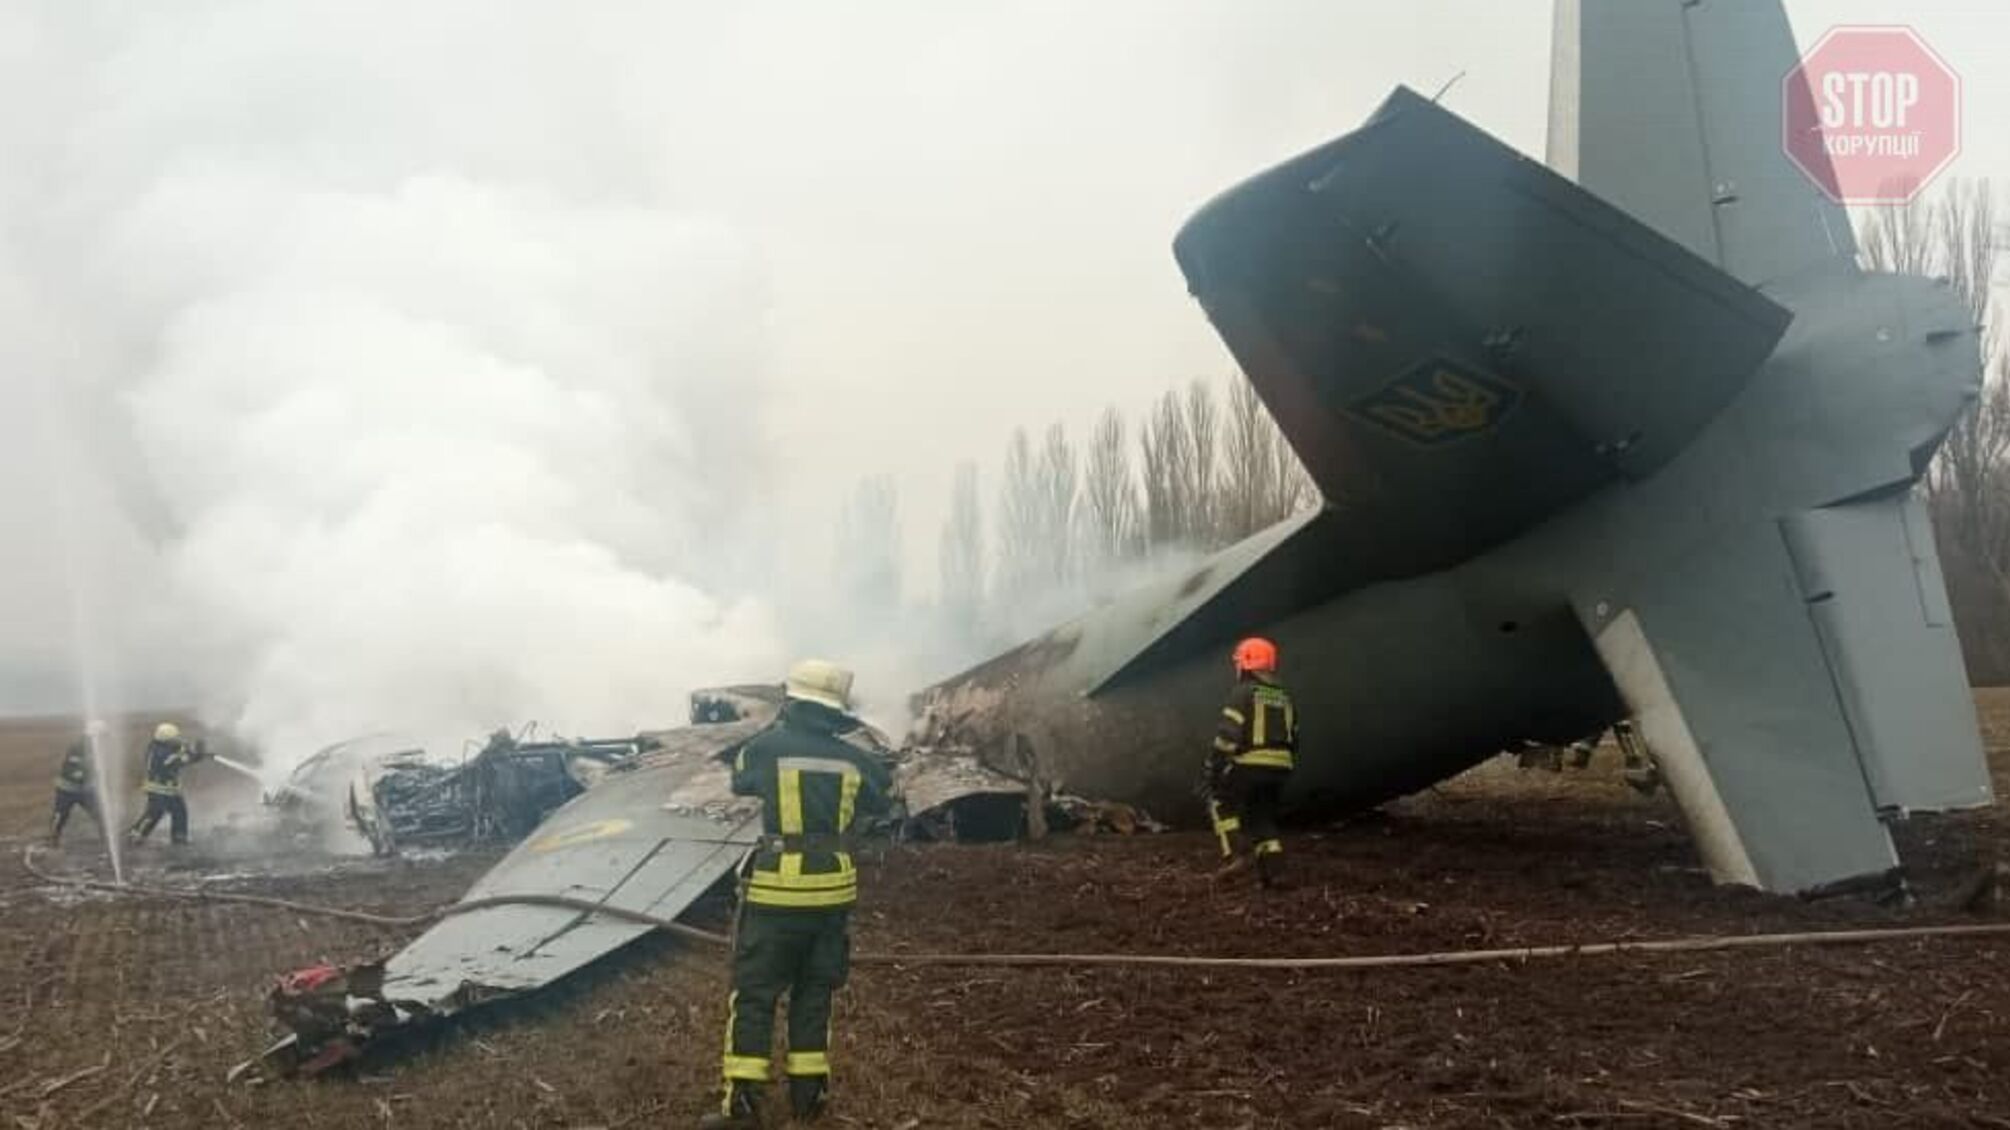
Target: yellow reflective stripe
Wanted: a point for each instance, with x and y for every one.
(161, 790)
(1233, 715)
(799, 880)
(1256, 734)
(732, 1015)
(1270, 847)
(747, 1068)
(807, 1063)
(1227, 824)
(1265, 758)
(1224, 745)
(765, 896)
(1214, 814)
(847, 798)
(791, 789)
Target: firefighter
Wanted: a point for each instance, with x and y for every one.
(798, 889)
(76, 782)
(1253, 750)
(167, 755)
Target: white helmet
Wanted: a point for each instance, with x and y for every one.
(167, 732)
(821, 682)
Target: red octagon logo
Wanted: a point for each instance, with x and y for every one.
(1871, 114)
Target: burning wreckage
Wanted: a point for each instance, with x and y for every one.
(614, 834)
(387, 789)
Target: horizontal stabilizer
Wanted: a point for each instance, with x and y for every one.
(1457, 341)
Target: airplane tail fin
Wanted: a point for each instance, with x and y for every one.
(1689, 140)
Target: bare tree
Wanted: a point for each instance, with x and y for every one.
(1111, 511)
(1296, 489)
(1166, 448)
(1261, 480)
(1018, 520)
(1057, 482)
(1203, 425)
(868, 544)
(961, 555)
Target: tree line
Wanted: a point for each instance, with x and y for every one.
(1072, 517)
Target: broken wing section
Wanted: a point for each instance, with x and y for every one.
(1672, 110)
(1718, 659)
(650, 840)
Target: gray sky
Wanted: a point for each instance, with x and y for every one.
(884, 232)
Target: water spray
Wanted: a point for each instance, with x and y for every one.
(90, 660)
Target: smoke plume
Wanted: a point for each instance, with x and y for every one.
(436, 402)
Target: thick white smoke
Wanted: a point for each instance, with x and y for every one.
(448, 420)
(439, 455)
(444, 365)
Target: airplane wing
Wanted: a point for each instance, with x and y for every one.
(651, 839)
(1671, 109)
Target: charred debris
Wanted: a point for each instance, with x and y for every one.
(397, 798)
(609, 836)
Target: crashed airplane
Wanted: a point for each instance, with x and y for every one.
(1629, 435)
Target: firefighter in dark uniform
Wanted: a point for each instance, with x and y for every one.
(1254, 747)
(76, 783)
(167, 755)
(793, 934)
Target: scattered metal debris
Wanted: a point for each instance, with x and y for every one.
(645, 833)
(661, 829)
(397, 797)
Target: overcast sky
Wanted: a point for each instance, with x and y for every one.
(879, 236)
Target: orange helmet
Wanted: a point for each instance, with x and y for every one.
(1255, 654)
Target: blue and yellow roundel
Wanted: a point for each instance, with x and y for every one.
(1438, 402)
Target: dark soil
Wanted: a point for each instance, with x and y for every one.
(129, 1012)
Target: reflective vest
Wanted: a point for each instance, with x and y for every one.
(813, 786)
(1259, 726)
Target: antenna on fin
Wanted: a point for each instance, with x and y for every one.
(1449, 84)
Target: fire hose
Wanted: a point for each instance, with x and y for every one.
(1696, 944)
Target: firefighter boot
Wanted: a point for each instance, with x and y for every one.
(808, 1094)
(741, 1108)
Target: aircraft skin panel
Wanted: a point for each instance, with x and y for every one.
(1458, 342)
(1671, 109)
(1765, 751)
(650, 840)
(1871, 575)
